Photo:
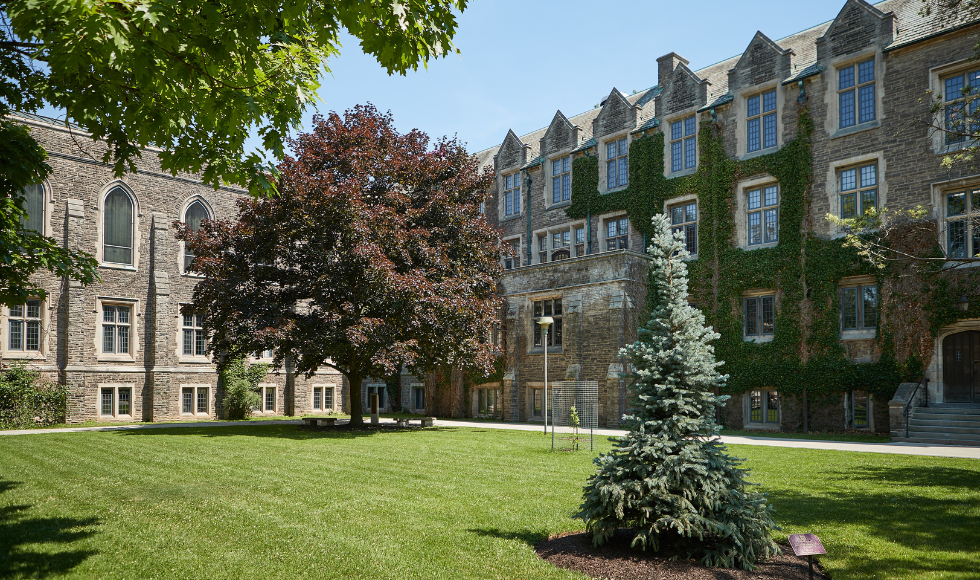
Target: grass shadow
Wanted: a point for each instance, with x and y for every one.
(295, 432)
(529, 537)
(19, 533)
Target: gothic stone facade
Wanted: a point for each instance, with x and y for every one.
(123, 346)
(863, 78)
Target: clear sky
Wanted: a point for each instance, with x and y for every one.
(524, 59)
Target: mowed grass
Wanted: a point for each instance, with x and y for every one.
(279, 502)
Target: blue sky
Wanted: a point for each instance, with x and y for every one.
(523, 60)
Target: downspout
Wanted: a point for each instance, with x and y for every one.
(527, 208)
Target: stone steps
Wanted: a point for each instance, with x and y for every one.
(945, 425)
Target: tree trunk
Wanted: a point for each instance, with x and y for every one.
(356, 415)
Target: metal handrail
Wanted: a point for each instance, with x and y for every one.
(908, 406)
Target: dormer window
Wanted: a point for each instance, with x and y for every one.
(512, 194)
(561, 179)
(761, 121)
(617, 166)
(683, 144)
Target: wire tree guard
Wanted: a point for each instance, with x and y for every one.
(584, 397)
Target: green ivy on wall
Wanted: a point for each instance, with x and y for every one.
(806, 351)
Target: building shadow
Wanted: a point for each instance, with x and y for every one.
(18, 530)
(296, 432)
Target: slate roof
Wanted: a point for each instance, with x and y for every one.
(910, 26)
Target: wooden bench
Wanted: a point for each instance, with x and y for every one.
(320, 421)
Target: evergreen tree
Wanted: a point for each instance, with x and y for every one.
(670, 479)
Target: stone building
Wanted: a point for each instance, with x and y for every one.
(123, 346)
(747, 156)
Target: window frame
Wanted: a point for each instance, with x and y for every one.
(623, 238)
(852, 420)
(486, 405)
(856, 89)
(514, 261)
(970, 217)
(556, 335)
(322, 390)
(758, 301)
(134, 227)
(862, 329)
(617, 167)
(512, 194)
(99, 338)
(832, 121)
(761, 116)
(23, 319)
(263, 390)
(766, 395)
(46, 200)
(562, 180)
(114, 390)
(688, 143)
(417, 392)
(195, 403)
(683, 203)
(184, 253)
(763, 211)
(196, 330)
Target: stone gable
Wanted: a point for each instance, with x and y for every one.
(511, 154)
(560, 136)
(616, 115)
(763, 61)
(858, 26)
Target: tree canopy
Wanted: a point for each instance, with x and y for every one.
(189, 77)
(669, 480)
(375, 254)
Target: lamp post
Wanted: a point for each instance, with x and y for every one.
(545, 322)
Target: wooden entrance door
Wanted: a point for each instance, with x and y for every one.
(961, 367)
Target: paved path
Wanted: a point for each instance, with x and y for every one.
(897, 448)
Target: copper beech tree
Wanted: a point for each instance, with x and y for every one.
(374, 255)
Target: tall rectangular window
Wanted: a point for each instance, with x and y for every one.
(683, 144)
(194, 340)
(561, 179)
(684, 219)
(580, 241)
(617, 234)
(512, 259)
(763, 406)
(116, 325)
(419, 398)
(856, 93)
(269, 399)
(24, 325)
(542, 248)
(553, 309)
(617, 167)
(960, 106)
(859, 409)
(859, 307)
(763, 215)
(512, 194)
(963, 224)
(760, 316)
(761, 121)
(858, 190)
(34, 207)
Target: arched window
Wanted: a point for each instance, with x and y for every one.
(118, 228)
(195, 214)
(34, 205)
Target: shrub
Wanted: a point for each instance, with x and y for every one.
(241, 382)
(27, 400)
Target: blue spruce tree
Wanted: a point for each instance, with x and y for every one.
(670, 480)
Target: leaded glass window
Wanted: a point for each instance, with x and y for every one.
(118, 228)
(856, 93)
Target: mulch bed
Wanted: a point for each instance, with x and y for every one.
(617, 561)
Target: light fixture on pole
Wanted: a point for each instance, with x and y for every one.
(963, 303)
(545, 322)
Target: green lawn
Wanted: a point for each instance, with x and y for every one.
(279, 502)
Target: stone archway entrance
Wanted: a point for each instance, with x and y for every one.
(961, 367)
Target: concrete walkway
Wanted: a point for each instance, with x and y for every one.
(897, 448)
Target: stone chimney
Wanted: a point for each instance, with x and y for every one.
(666, 65)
